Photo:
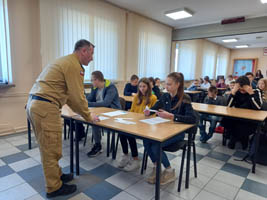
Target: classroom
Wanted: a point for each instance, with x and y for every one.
(137, 100)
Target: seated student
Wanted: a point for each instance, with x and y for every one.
(221, 83)
(158, 84)
(104, 94)
(143, 98)
(194, 86)
(176, 106)
(206, 83)
(212, 98)
(258, 75)
(242, 96)
(130, 89)
(155, 89)
(250, 76)
(262, 87)
(229, 79)
(228, 92)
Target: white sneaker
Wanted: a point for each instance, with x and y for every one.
(131, 166)
(124, 161)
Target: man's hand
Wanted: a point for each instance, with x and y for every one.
(95, 118)
(165, 114)
(248, 89)
(235, 89)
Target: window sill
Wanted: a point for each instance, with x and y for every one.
(3, 85)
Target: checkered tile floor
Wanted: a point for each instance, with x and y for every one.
(220, 177)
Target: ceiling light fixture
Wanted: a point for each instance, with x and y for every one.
(263, 1)
(230, 40)
(242, 46)
(180, 13)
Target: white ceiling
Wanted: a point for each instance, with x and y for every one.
(206, 11)
(249, 39)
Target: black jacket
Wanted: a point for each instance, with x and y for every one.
(156, 91)
(217, 101)
(240, 100)
(184, 113)
(129, 89)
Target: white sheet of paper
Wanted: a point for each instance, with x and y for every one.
(103, 118)
(155, 120)
(115, 113)
(123, 121)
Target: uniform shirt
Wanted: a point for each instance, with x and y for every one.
(62, 83)
(141, 107)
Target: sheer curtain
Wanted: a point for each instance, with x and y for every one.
(209, 59)
(65, 22)
(187, 59)
(5, 57)
(223, 57)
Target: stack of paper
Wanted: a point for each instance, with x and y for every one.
(115, 113)
(155, 120)
(124, 121)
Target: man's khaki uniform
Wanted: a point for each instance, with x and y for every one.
(61, 83)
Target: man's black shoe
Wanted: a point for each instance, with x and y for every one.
(66, 178)
(62, 191)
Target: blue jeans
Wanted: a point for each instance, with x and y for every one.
(213, 122)
(152, 149)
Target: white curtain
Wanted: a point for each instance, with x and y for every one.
(5, 57)
(153, 47)
(187, 53)
(223, 57)
(64, 22)
(209, 59)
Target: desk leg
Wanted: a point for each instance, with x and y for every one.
(188, 160)
(158, 170)
(108, 142)
(77, 151)
(257, 141)
(113, 148)
(65, 131)
(71, 146)
(29, 134)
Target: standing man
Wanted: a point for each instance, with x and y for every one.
(59, 83)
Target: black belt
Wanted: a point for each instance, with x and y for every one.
(39, 98)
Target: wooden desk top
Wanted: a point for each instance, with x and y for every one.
(127, 98)
(257, 115)
(159, 132)
(192, 92)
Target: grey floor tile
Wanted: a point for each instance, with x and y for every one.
(255, 187)
(15, 157)
(219, 156)
(104, 171)
(237, 170)
(5, 171)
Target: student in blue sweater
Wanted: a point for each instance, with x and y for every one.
(104, 94)
(212, 98)
(130, 89)
(176, 106)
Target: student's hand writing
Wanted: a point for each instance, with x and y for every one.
(165, 114)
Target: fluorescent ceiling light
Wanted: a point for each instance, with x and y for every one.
(263, 1)
(230, 40)
(242, 46)
(180, 13)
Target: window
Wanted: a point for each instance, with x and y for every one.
(95, 21)
(187, 59)
(5, 58)
(209, 59)
(222, 62)
(152, 55)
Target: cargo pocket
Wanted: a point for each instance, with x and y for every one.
(51, 134)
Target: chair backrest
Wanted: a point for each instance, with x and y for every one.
(123, 103)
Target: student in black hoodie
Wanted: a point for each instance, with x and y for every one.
(242, 96)
(130, 89)
(155, 88)
(176, 106)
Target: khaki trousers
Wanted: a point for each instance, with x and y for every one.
(46, 122)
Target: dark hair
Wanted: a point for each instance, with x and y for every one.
(81, 43)
(134, 77)
(230, 76)
(258, 73)
(249, 73)
(98, 75)
(151, 79)
(156, 79)
(148, 93)
(242, 80)
(178, 77)
(232, 82)
(207, 78)
(213, 89)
